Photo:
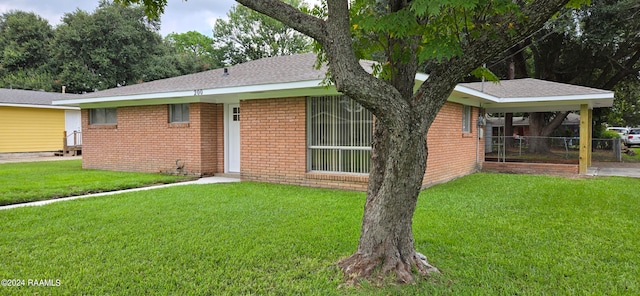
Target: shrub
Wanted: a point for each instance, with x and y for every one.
(609, 135)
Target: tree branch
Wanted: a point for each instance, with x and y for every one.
(290, 16)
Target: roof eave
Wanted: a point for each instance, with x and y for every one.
(212, 95)
(38, 106)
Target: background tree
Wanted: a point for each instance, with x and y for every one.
(594, 45)
(457, 36)
(195, 43)
(110, 47)
(626, 106)
(183, 53)
(24, 51)
(249, 35)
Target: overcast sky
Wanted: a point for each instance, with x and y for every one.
(179, 16)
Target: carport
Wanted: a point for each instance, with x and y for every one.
(533, 95)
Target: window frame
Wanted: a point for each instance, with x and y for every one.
(338, 151)
(109, 116)
(173, 113)
(466, 119)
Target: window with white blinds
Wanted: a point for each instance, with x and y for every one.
(339, 137)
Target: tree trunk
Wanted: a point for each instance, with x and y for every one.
(537, 144)
(508, 129)
(386, 244)
(539, 132)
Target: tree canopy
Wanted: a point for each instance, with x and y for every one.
(594, 45)
(197, 44)
(105, 49)
(116, 45)
(249, 35)
(24, 50)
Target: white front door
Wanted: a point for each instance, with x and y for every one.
(233, 146)
(73, 123)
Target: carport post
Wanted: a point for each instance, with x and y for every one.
(586, 129)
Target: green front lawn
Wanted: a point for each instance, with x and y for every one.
(32, 181)
(490, 234)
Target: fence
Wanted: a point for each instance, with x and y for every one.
(72, 143)
(548, 149)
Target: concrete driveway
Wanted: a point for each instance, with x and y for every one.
(622, 169)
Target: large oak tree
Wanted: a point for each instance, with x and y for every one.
(457, 37)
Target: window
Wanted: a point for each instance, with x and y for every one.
(339, 137)
(103, 116)
(466, 119)
(179, 113)
(236, 114)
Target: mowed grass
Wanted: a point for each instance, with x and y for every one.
(33, 181)
(489, 234)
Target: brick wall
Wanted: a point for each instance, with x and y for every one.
(273, 140)
(144, 141)
(452, 153)
(273, 147)
(273, 144)
(531, 168)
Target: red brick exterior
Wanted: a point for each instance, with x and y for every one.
(273, 144)
(143, 140)
(273, 140)
(273, 148)
(531, 168)
(452, 153)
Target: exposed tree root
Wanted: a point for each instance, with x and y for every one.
(379, 269)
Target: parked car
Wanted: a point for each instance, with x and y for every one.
(633, 137)
(622, 131)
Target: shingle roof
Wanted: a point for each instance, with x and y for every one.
(272, 70)
(30, 97)
(295, 75)
(529, 87)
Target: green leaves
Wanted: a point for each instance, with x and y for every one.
(426, 8)
(248, 35)
(484, 72)
(444, 27)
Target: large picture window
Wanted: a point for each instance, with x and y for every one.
(103, 116)
(179, 113)
(340, 132)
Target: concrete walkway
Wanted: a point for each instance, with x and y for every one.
(206, 180)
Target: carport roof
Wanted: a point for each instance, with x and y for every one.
(530, 95)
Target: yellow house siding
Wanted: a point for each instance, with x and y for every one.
(30, 129)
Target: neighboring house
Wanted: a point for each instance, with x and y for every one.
(272, 120)
(30, 123)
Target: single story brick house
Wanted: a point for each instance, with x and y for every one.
(292, 128)
(30, 123)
